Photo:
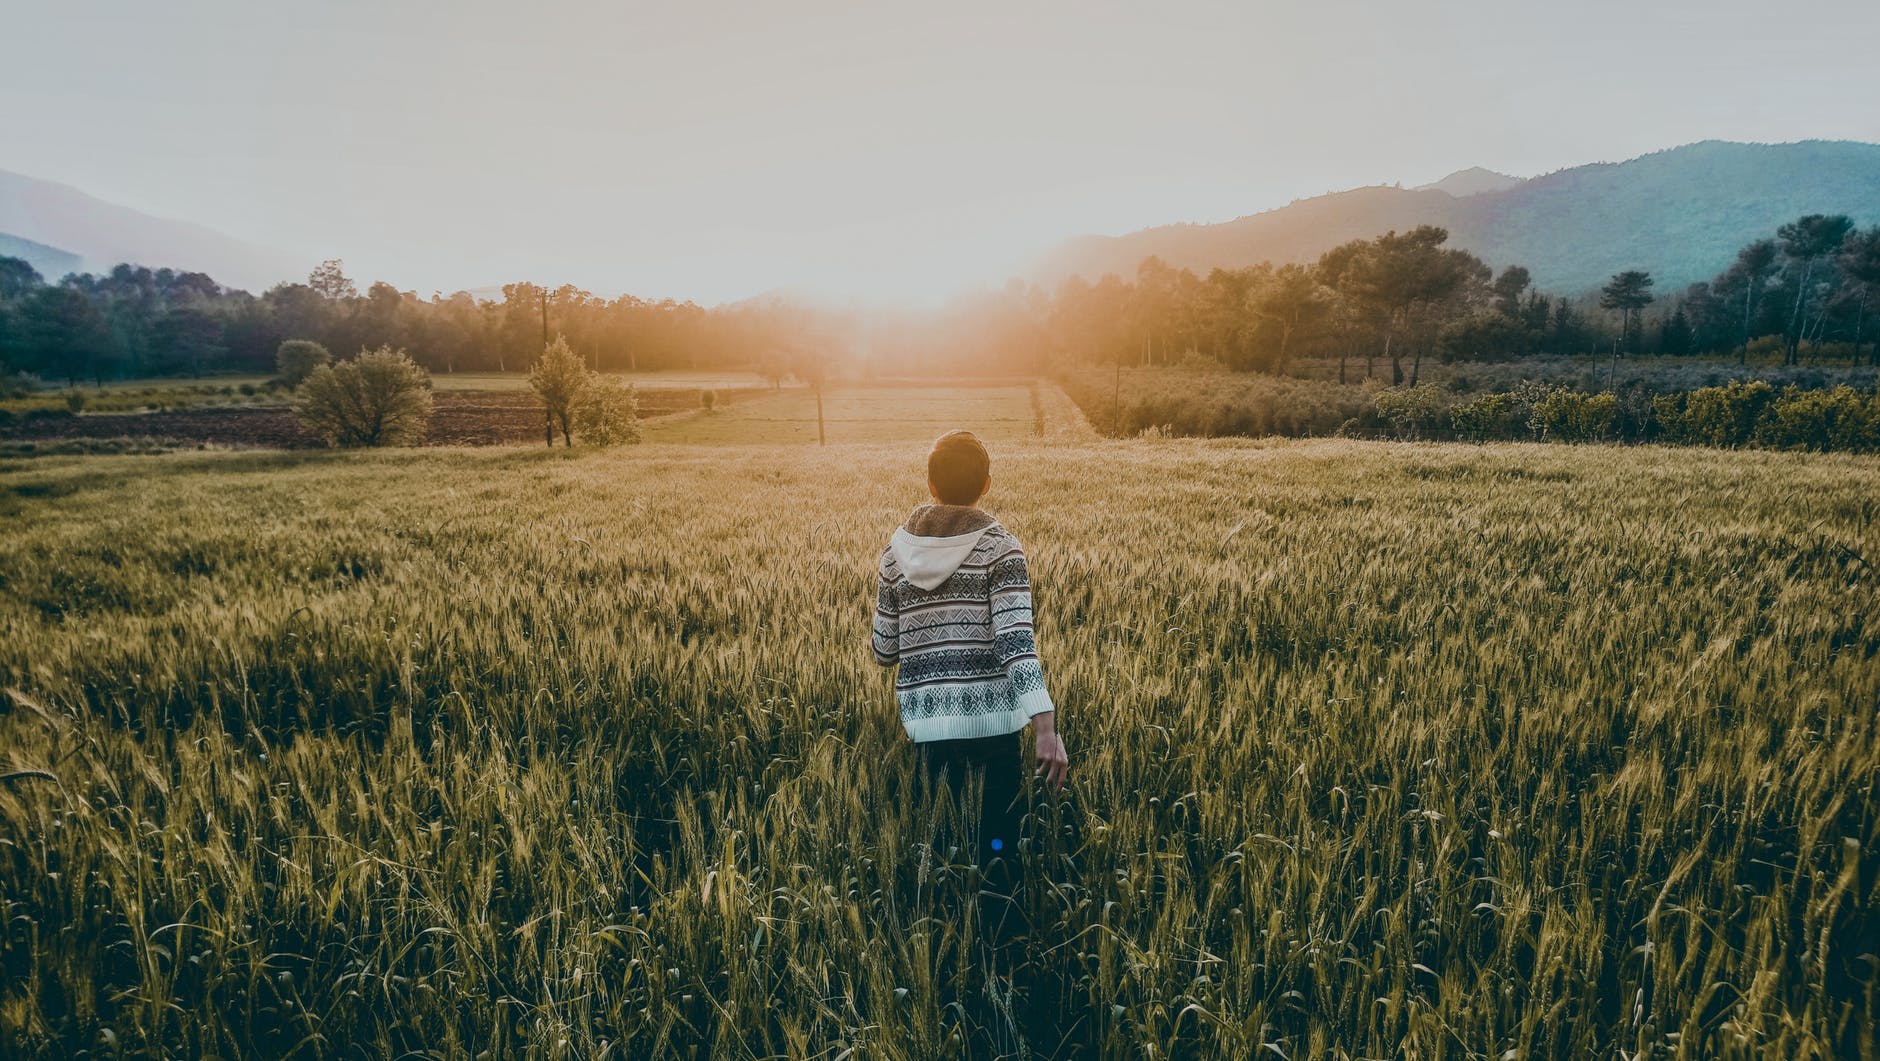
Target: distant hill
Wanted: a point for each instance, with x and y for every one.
(1472, 181)
(103, 234)
(1681, 213)
(51, 262)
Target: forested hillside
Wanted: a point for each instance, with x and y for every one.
(1675, 213)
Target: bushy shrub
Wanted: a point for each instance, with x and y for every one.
(1486, 417)
(1766, 347)
(1217, 403)
(248, 390)
(17, 384)
(380, 398)
(1840, 418)
(1716, 416)
(1413, 411)
(296, 359)
(1741, 413)
(1569, 416)
(609, 413)
(75, 402)
(708, 399)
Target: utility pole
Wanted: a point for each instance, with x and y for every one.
(544, 318)
(1116, 400)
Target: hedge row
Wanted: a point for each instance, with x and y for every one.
(1754, 413)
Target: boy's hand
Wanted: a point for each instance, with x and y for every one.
(1054, 764)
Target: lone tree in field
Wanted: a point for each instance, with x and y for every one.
(609, 413)
(558, 378)
(380, 398)
(1629, 293)
(296, 359)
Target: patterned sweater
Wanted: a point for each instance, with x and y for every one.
(953, 609)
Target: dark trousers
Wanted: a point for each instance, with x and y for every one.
(997, 763)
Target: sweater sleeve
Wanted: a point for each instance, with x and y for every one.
(1010, 590)
(887, 638)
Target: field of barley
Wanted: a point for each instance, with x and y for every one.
(1378, 751)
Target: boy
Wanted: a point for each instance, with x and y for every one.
(953, 609)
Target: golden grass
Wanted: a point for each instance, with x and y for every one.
(1379, 751)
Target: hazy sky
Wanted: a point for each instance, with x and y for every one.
(713, 151)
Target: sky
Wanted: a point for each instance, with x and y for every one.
(874, 152)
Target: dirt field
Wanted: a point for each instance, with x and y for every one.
(461, 418)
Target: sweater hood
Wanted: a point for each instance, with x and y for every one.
(935, 541)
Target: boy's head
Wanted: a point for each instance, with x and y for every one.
(958, 470)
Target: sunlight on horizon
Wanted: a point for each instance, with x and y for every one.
(850, 153)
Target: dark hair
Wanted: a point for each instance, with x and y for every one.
(957, 468)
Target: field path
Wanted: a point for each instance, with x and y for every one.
(1063, 421)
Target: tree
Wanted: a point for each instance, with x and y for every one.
(609, 413)
(773, 367)
(63, 334)
(1860, 263)
(1805, 241)
(186, 339)
(558, 378)
(1674, 333)
(1752, 267)
(1413, 283)
(17, 277)
(1628, 292)
(329, 281)
(1508, 288)
(296, 359)
(380, 398)
(1292, 300)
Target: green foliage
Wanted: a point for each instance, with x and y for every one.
(1740, 413)
(1486, 417)
(1212, 404)
(1716, 416)
(1764, 348)
(296, 359)
(609, 413)
(1838, 419)
(558, 378)
(1681, 212)
(1467, 752)
(380, 398)
(1412, 411)
(1569, 416)
(16, 385)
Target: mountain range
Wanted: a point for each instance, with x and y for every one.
(60, 230)
(1680, 213)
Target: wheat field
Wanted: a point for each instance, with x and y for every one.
(1378, 750)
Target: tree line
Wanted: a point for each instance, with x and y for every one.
(1379, 307)
(1813, 289)
(136, 322)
